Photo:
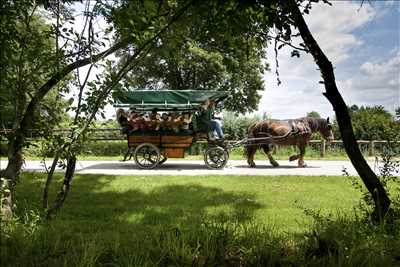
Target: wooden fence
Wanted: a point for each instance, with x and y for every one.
(107, 134)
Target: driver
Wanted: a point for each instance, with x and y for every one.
(216, 121)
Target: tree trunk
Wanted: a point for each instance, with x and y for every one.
(8, 177)
(65, 187)
(371, 181)
(49, 179)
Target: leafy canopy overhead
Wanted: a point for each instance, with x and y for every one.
(214, 45)
(27, 59)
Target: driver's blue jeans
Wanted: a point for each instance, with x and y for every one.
(216, 127)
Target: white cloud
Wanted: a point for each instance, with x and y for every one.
(377, 82)
(333, 28)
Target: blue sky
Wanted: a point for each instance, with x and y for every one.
(362, 43)
(364, 46)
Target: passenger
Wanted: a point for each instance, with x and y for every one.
(204, 119)
(186, 120)
(123, 118)
(155, 119)
(164, 121)
(146, 122)
(176, 120)
(135, 120)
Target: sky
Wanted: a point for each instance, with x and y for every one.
(363, 45)
(362, 42)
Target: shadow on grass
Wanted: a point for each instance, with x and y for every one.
(105, 224)
(130, 165)
(258, 166)
(103, 203)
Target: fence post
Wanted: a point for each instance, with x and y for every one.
(323, 148)
(371, 148)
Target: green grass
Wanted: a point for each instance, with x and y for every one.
(191, 221)
(181, 199)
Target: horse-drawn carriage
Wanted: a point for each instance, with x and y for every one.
(151, 148)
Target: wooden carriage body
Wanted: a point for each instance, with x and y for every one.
(171, 146)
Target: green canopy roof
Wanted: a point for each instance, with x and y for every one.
(166, 99)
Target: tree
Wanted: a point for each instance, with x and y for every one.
(75, 52)
(16, 87)
(205, 51)
(375, 188)
(371, 123)
(90, 102)
(313, 114)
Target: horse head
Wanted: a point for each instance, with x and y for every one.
(325, 129)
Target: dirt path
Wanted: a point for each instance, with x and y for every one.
(197, 167)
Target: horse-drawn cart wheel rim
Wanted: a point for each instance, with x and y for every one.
(147, 156)
(216, 158)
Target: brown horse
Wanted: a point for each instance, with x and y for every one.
(285, 132)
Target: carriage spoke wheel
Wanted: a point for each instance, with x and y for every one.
(147, 156)
(216, 157)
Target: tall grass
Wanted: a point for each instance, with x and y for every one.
(197, 221)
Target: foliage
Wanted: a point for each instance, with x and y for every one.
(27, 59)
(219, 53)
(313, 114)
(388, 166)
(371, 123)
(236, 126)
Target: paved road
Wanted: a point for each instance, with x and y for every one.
(197, 167)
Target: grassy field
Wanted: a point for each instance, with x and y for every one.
(192, 221)
(181, 199)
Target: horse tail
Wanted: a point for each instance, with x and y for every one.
(250, 146)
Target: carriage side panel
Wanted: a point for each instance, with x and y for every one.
(135, 140)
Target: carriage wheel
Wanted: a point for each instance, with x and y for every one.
(216, 157)
(147, 156)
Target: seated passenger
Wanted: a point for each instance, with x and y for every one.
(165, 122)
(176, 120)
(155, 120)
(122, 118)
(204, 120)
(135, 120)
(186, 120)
(146, 121)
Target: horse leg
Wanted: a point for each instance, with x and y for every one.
(302, 148)
(271, 159)
(294, 157)
(251, 151)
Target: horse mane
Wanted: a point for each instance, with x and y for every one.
(315, 124)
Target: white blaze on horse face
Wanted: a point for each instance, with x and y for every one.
(330, 136)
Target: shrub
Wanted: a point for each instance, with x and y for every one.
(236, 126)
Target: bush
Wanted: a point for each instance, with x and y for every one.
(236, 126)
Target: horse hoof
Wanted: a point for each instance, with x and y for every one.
(252, 165)
(275, 164)
(303, 166)
(292, 158)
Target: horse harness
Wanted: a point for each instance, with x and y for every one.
(299, 127)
